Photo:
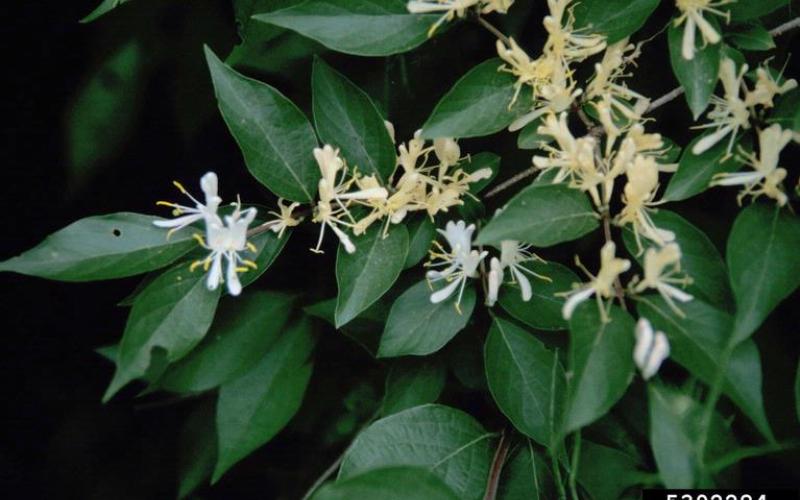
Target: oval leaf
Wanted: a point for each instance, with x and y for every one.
(418, 327)
(389, 483)
(764, 263)
(616, 19)
(478, 104)
(745, 11)
(525, 379)
(359, 27)
(421, 232)
(100, 248)
(347, 118)
(526, 476)
(275, 137)
(253, 408)
(450, 443)
(542, 215)
(173, 314)
(695, 171)
(697, 76)
(543, 311)
(366, 274)
(412, 383)
(600, 361)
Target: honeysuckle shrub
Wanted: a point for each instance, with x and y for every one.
(512, 200)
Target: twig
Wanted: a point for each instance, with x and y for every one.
(677, 92)
(498, 462)
(510, 182)
(573, 470)
(266, 226)
(494, 31)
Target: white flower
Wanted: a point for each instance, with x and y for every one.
(730, 112)
(651, 349)
(447, 150)
(461, 261)
(512, 256)
(285, 218)
(601, 286)
(228, 240)
(200, 211)
(767, 177)
(639, 197)
(692, 14)
(767, 88)
(660, 267)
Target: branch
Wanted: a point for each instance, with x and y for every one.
(497, 467)
(677, 92)
(494, 31)
(510, 182)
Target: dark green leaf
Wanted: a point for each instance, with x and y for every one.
(606, 472)
(253, 408)
(526, 476)
(365, 329)
(197, 450)
(542, 215)
(450, 443)
(412, 383)
(478, 162)
(105, 7)
(421, 231)
(698, 341)
(600, 361)
(616, 19)
(697, 76)
(749, 9)
(366, 274)
(275, 137)
(359, 27)
(671, 436)
(754, 37)
(700, 259)
(477, 105)
(787, 111)
(696, 171)
(102, 247)
(172, 315)
(418, 327)
(243, 331)
(268, 247)
(543, 311)
(525, 379)
(346, 118)
(763, 262)
(529, 137)
(389, 483)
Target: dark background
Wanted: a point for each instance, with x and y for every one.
(58, 440)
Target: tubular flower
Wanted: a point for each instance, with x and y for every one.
(730, 112)
(533, 72)
(512, 257)
(601, 286)
(767, 176)
(638, 196)
(284, 219)
(660, 268)
(692, 12)
(564, 41)
(188, 215)
(455, 8)
(611, 69)
(555, 96)
(461, 261)
(572, 157)
(331, 209)
(227, 240)
(767, 87)
(651, 349)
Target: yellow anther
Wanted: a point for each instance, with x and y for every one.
(197, 264)
(199, 238)
(180, 187)
(250, 246)
(167, 204)
(250, 264)
(242, 269)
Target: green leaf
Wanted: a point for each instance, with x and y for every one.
(700, 259)
(243, 331)
(100, 248)
(197, 449)
(529, 137)
(477, 105)
(696, 171)
(412, 383)
(268, 247)
(389, 483)
(543, 311)
(698, 76)
(421, 232)
(763, 262)
(697, 342)
(104, 113)
(450, 443)
(346, 118)
(606, 472)
(253, 408)
(366, 274)
(478, 162)
(600, 361)
(105, 7)
(754, 37)
(787, 111)
(525, 476)
(616, 19)
(672, 436)
(359, 27)
(416, 326)
(275, 137)
(542, 215)
(747, 10)
(171, 315)
(365, 329)
(525, 379)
